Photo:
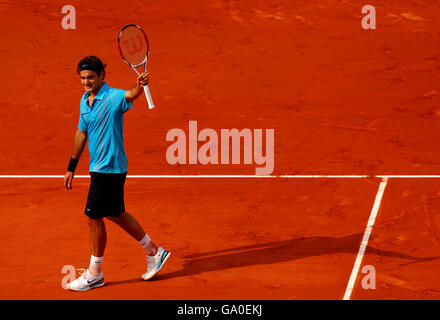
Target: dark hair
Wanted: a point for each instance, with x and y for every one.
(91, 63)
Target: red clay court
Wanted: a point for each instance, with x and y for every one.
(356, 115)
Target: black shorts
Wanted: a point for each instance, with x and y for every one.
(106, 195)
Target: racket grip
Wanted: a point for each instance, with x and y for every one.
(148, 96)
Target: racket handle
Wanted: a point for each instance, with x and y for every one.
(148, 96)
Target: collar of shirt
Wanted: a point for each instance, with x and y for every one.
(100, 94)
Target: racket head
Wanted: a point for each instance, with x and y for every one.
(133, 45)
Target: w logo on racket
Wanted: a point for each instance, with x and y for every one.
(134, 45)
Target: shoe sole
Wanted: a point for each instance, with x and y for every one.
(86, 288)
(161, 266)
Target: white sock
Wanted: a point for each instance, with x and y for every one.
(95, 265)
(147, 244)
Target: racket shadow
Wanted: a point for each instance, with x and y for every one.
(277, 252)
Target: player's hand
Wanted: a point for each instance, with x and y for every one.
(68, 178)
(144, 79)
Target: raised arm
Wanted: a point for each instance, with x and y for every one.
(137, 89)
(79, 142)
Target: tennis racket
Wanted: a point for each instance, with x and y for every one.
(134, 48)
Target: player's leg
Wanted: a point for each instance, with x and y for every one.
(95, 209)
(130, 225)
(99, 205)
(156, 256)
(98, 240)
(98, 236)
(93, 277)
(126, 221)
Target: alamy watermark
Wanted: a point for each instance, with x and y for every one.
(369, 280)
(70, 274)
(69, 20)
(219, 148)
(369, 20)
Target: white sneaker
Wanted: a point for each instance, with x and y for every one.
(156, 263)
(86, 281)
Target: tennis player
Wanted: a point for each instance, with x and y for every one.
(101, 120)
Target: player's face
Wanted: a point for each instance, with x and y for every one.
(90, 80)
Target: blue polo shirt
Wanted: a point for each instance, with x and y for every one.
(103, 122)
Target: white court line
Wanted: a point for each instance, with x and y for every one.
(365, 239)
(36, 176)
(408, 176)
(22, 176)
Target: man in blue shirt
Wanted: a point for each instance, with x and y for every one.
(101, 121)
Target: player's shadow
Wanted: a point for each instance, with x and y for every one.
(112, 283)
(277, 252)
